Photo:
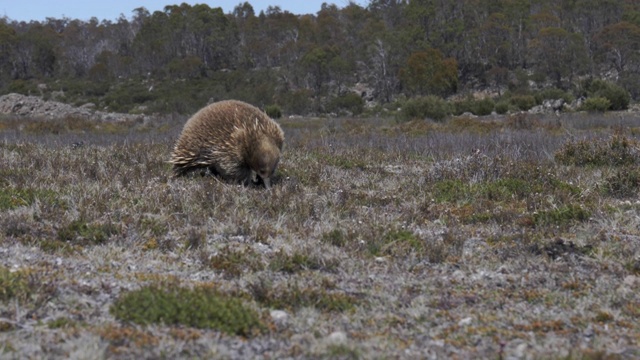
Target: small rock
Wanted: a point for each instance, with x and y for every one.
(631, 280)
(459, 275)
(520, 350)
(588, 332)
(279, 316)
(337, 337)
(466, 321)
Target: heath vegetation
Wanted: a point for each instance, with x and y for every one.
(492, 237)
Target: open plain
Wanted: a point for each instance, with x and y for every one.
(503, 238)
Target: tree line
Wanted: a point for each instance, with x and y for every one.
(176, 59)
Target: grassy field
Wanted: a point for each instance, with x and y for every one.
(513, 237)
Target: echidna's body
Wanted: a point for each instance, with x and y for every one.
(233, 139)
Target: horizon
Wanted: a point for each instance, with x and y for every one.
(40, 10)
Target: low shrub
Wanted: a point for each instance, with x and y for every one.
(618, 97)
(596, 104)
(201, 307)
(480, 107)
(624, 183)
(523, 102)
(273, 111)
(432, 107)
(615, 151)
(502, 107)
(350, 102)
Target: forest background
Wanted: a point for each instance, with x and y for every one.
(479, 55)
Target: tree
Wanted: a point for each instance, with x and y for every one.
(620, 44)
(8, 41)
(495, 35)
(559, 54)
(429, 72)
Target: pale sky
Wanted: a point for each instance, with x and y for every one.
(26, 10)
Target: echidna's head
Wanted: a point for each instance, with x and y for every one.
(264, 160)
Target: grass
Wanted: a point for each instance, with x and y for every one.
(466, 237)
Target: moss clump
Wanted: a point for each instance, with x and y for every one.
(603, 317)
(234, 262)
(396, 243)
(13, 285)
(450, 191)
(11, 198)
(200, 307)
(562, 215)
(81, 231)
(506, 189)
(299, 261)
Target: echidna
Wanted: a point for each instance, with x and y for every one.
(233, 139)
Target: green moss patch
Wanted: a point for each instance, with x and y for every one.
(200, 307)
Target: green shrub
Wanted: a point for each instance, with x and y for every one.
(618, 97)
(125, 96)
(523, 102)
(483, 107)
(631, 83)
(201, 307)
(273, 111)
(615, 151)
(624, 183)
(462, 106)
(297, 102)
(480, 107)
(429, 106)
(22, 87)
(351, 102)
(502, 107)
(596, 104)
(561, 216)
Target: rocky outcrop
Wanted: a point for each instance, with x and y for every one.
(34, 106)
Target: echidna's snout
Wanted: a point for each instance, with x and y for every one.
(267, 182)
(264, 161)
(265, 176)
